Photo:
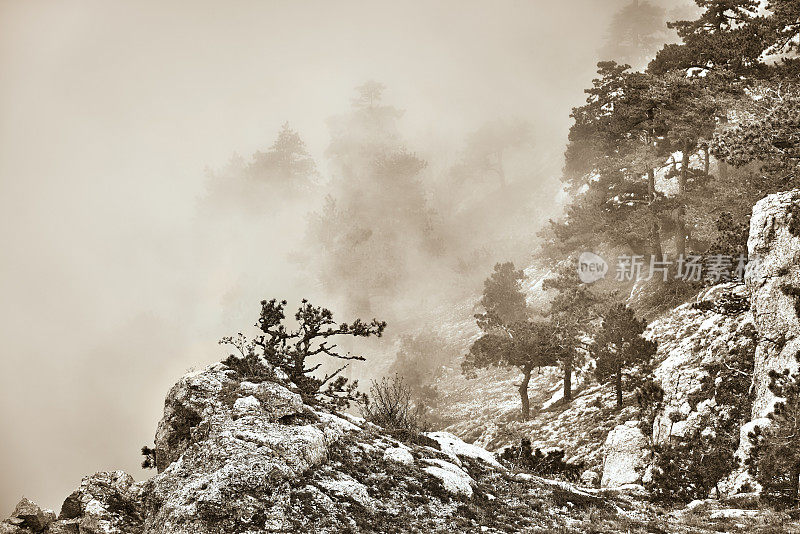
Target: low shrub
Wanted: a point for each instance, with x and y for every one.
(545, 464)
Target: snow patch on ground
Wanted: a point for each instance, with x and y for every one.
(398, 454)
(450, 444)
(453, 478)
(347, 487)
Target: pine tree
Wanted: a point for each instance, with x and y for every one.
(376, 218)
(292, 350)
(782, 26)
(525, 346)
(620, 347)
(286, 164)
(509, 338)
(571, 315)
(503, 301)
(614, 147)
(770, 134)
(636, 32)
(725, 36)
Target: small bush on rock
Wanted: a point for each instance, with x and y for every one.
(729, 303)
(291, 351)
(544, 464)
(249, 367)
(650, 398)
(775, 457)
(690, 469)
(389, 404)
(149, 461)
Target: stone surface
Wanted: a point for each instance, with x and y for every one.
(452, 477)
(688, 339)
(772, 281)
(734, 514)
(398, 454)
(345, 486)
(32, 517)
(626, 456)
(590, 479)
(774, 249)
(450, 444)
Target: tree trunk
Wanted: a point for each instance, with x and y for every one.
(568, 379)
(655, 236)
(619, 388)
(723, 167)
(655, 241)
(523, 393)
(707, 161)
(684, 176)
(680, 234)
(795, 487)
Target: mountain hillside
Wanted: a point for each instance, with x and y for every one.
(486, 410)
(239, 453)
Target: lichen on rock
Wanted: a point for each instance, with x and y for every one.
(626, 456)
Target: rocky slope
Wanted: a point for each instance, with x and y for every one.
(486, 409)
(689, 338)
(774, 286)
(244, 454)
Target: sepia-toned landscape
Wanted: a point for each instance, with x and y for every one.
(400, 267)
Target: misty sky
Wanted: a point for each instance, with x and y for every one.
(112, 281)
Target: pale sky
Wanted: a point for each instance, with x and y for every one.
(111, 282)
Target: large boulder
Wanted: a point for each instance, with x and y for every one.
(227, 448)
(625, 456)
(27, 517)
(204, 404)
(104, 503)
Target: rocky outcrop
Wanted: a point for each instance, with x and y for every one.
(241, 453)
(773, 282)
(690, 337)
(27, 517)
(773, 286)
(626, 456)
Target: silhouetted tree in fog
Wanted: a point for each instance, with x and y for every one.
(510, 338)
(487, 147)
(291, 349)
(256, 186)
(286, 164)
(635, 34)
(376, 224)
